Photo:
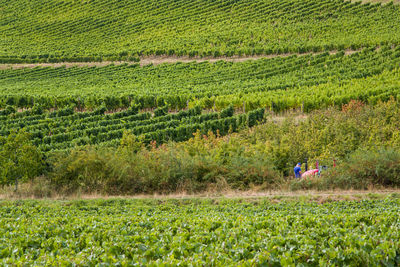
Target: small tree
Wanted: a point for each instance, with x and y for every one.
(20, 160)
(130, 143)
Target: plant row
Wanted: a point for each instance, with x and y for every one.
(107, 30)
(200, 232)
(61, 129)
(179, 85)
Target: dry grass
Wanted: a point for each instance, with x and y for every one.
(40, 189)
(378, 1)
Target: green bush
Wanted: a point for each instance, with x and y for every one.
(259, 156)
(201, 163)
(366, 168)
(20, 160)
(85, 169)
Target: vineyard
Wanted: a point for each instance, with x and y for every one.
(281, 83)
(64, 128)
(211, 97)
(324, 54)
(67, 107)
(200, 232)
(108, 30)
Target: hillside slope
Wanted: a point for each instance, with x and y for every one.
(283, 82)
(96, 30)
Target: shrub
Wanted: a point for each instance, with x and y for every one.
(201, 163)
(20, 160)
(85, 169)
(366, 168)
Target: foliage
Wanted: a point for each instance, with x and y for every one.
(65, 129)
(130, 143)
(106, 30)
(84, 169)
(326, 134)
(19, 158)
(366, 168)
(204, 162)
(278, 84)
(256, 157)
(200, 232)
(253, 157)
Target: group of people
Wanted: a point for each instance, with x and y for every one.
(309, 173)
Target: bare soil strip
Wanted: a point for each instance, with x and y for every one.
(378, 1)
(156, 60)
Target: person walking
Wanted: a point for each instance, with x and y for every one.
(297, 170)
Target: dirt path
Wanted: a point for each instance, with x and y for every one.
(155, 60)
(396, 2)
(273, 196)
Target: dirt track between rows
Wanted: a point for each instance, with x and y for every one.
(155, 60)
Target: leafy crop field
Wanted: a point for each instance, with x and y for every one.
(61, 31)
(200, 232)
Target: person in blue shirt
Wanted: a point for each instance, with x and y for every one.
(297, 170)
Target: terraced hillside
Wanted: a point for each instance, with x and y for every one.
(95, 30)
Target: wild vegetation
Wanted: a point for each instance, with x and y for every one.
(363, 139)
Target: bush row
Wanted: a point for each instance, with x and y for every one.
(364, 141)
